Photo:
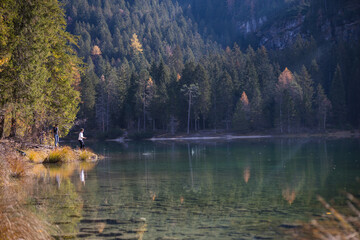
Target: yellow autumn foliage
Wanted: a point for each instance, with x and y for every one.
(135, 44)
(286, 77)
(96, 51)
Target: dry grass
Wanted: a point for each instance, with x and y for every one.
(17, 167)
(36, 156)
(65, 154)
(4, 174)
(334, 225)
(17, 222)
(87, 155)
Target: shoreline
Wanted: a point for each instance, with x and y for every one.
(234, 136)
(224, 137)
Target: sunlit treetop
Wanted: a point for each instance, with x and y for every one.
(286, 77)
(135, 44)
(244, 99)
(150, 82)
(96, 51)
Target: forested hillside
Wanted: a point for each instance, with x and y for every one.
(146, 57)
(177, 65)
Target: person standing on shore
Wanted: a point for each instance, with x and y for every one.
(81, 139)
(56, 135)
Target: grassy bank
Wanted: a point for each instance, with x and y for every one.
(16, 221)
(60, 155)
(20, 167)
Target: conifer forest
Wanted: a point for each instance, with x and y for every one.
(285, 66)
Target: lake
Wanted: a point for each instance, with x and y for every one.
(241, 189)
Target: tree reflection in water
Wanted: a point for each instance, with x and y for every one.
(204, 190)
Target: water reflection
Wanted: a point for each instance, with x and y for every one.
(63, 203)
(224, 190)
(82, 176)
(246, 174)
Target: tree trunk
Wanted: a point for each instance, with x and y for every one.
(107, 112)
(215, 116)
(325, 121)
(138, 124)
(2, 124)
(203, 123)
(103, 122)
(144, 115)
(281, 126)
(13, 127)
(288, 121)
(188, 125)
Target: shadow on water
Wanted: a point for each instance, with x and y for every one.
(205, 190)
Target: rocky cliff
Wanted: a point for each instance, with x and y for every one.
(310, 19)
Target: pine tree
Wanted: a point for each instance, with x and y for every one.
(203, 103)
(136, 45)
(41, 78)
(288, 94)
(161, 77)
(241, 116)
(306, 84)
(323, 107)
(337, 96)
(101, 104)
(88, 94)
(191, 91)
(130, 104)
(226, 95)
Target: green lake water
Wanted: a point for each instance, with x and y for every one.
(243, 189)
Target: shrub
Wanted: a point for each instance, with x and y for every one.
(65, 154)
(17, 167)
(36, 156)
(87, 155)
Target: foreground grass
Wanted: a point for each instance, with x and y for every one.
(334, 225)
(18, 178)
(16, 221)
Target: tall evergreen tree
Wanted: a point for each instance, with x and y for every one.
(191, 91)
(161, 77)
(337, 97)
(288, 95)
(42, 76)
(203, 103)
(225, 106)
(241, 118)
(306, 84)
(323, 107)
